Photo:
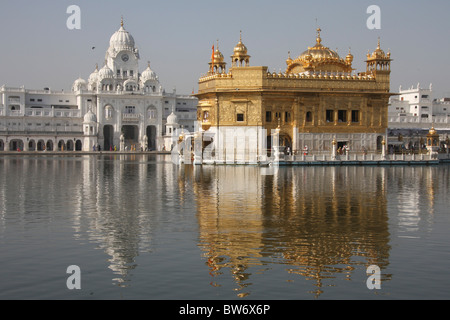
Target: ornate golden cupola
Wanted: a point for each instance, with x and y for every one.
(319, 58)
(378, 61)
(240, 57)
(217, 63)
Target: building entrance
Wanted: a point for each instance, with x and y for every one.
(108, 134)
(151, 134)
(131, 135)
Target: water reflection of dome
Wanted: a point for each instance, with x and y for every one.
(295, 210)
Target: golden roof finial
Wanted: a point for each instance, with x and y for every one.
(379, 43)
(319, 39)
(240, 35)
(121, 21)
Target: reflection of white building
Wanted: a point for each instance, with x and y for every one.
(116, 103)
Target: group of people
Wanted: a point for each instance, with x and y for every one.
(343, 150)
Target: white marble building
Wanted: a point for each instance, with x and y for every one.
(415, 108)
(411, 115)
(116, 108)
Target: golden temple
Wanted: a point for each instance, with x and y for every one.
(317, 100)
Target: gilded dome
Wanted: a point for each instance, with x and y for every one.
(319, 58)
(240, 48)
(240, 56)
(218, 56)
(319, 51)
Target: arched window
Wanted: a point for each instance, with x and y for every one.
(109, 110)
(152, 113)
(309, 116)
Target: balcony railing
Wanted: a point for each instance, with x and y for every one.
(131, 117)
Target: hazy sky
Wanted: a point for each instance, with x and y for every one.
(38, 50)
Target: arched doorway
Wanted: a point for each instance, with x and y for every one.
(61, 145)
(41, 145)
(16, 145)
(151, 134)
(70, 145)
(31, 145)
(379, 143)
(49, 146)
(2, 145)
(131, 135)
(78, 146)
(108, 134)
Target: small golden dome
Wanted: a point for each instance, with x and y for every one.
(289, 59)
(349, 57)
(240, 48)
(218, 56)
(432, 132)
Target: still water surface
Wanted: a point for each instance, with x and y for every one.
(141, 227)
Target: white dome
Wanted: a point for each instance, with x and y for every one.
(148, 74)
(106, 73)
(93, 78)
(172, 118)
(79, 84)
(122, 40)
(90, 117)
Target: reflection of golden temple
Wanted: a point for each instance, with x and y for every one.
(433, 143)
(300, 219)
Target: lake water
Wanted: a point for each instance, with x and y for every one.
(141, 227)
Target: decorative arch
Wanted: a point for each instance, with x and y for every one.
(49, 145)
(152, 112)
(109, 112)
(40, 146)
(130, 85)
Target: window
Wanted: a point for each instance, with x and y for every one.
(287, 117)
(278, 115)
(330, 116)
(240, 117)
(205, 116)
(268, 116)
(342, 116)
(130, 109)
(108, 112)
(131, 73)
(355, 115)
(152, 113)
(309, 117)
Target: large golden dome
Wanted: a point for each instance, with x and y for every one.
(319, 58)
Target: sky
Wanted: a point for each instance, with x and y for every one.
(39, 50)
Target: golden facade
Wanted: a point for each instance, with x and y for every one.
(316, 100)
